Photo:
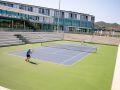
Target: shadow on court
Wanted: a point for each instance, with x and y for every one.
(31, 62)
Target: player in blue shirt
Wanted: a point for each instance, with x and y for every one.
(28, 55)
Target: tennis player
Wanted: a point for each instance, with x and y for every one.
(28, 55)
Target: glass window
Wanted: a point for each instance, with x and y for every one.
(82, 17)
(0, 12)
(37, 18)
(41, 18)
(75, 16)
(86, 17)
(46, 11)
(3, 3)
(10, 5)
(70, 15)
(92, 19)
(40, 10)
(56, 13)
(30, 9)
(3, 12)
(15, 15)
(62, 14)
(22, 7)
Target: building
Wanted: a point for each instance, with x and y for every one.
(15, 16)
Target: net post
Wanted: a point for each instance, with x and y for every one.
(41, 44)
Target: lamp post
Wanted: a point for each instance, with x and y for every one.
(58, 25)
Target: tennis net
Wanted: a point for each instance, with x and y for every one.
(74, 47)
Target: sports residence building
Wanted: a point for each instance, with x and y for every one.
(14, 16)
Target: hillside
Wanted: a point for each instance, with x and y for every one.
(107, 26)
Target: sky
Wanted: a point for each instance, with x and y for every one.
(103, 10)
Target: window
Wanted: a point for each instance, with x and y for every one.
(40, 10)
(86, 17)
(51, 12)
(82, 17)
(30, 9)
(47, 12)
(22, 7)
(6, 4)
(10, 5)
(75, 16)
(66, 15)
(4, 12)
(0, 12)
(2, 3)
(40, 18)
(56, 13)
(70, 15)
(92, 19)
(62, 14)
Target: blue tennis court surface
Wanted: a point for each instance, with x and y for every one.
(55, 55)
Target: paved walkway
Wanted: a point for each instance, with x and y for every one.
(116, 78)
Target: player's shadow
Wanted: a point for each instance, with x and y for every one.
(33, 63)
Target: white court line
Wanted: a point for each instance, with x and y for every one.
(71, 58)
(3, 88)
(116, 78)
(10, 54)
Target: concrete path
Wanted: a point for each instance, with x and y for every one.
(116, 78)
(3, 88)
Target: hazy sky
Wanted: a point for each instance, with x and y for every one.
(103, 10)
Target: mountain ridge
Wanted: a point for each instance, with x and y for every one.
(107, 26)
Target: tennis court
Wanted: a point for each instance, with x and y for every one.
(66, 54)
(91, 71)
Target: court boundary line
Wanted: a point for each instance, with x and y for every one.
(116, 76)
(80, 59)
(72, 58)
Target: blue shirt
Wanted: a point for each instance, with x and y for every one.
(29, 52)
